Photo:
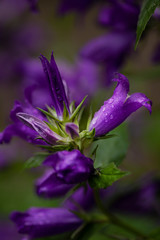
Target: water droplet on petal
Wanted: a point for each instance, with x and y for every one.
(111, 117)
(94, 121)
(103, 109)
(110, 100)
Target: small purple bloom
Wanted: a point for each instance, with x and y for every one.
(49, 185)
(116, 109)
(56, 85)
(43, 222)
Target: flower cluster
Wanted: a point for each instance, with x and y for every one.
(56, 128)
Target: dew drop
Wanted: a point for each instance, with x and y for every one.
(103, 109)
(110, 100)
(111, 117)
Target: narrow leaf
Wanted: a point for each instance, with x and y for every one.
(76, 111)
(48, 114)
(147, 11)
(36, 160)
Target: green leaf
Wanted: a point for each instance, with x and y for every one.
(48, 114)
(65, 112)
(76, 111)
(89, 118)
(36, 160)
(105, 177)
(147, 11)
(111, 150)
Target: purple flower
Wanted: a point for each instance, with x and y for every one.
(120, 15)
(69, 168)
(43, 222)
(32, 117)
(116, 109)
(110, 50)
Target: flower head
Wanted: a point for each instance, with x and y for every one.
(116, 109)
(69, 168)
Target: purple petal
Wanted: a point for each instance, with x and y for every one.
(43, 222)
(40, 127)
(118, 107)
(56, 85)
(49, 185)
(135, 101)
(72, 129)
(70, 166)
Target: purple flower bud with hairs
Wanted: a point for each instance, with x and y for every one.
(116, 109)
(43, 222)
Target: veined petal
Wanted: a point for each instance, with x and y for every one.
(135, 101)
(40, 127)
(56, 85)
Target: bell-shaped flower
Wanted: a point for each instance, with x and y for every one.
(43, 222)
(116, 109)
(68, 168)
